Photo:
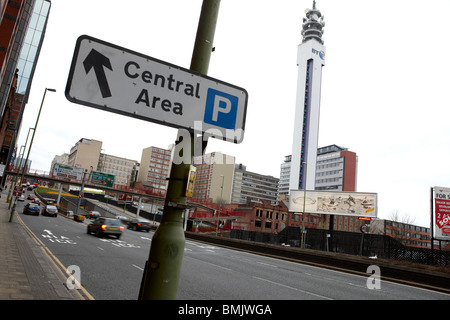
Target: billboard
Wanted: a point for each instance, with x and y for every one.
(441, 213)
(65, 171)
(334, 202)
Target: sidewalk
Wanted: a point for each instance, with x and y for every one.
(27, 272)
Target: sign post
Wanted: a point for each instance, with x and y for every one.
(162, 270)
(115, 79)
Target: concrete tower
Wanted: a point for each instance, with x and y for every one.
(310, 60)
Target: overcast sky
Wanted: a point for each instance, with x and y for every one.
(385, 90)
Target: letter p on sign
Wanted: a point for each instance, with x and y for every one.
(221, 109)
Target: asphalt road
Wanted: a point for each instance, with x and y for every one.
(112, 269)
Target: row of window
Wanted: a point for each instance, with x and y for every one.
(328, 180)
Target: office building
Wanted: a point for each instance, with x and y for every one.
(22, 29)
(214, 179)
(249, 185)
(336, 169)
(123, 169)
(154, 169)
(87, 154)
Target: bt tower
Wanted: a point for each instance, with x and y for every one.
(310, 60)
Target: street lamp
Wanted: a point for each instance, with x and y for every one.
(29, 149)
(220, 204)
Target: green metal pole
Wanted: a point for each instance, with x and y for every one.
(29, 149)
(162, 269)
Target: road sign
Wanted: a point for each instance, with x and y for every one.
(65, 171)
(111, 78)
(102, 179)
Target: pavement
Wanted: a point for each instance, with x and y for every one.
(28, 270)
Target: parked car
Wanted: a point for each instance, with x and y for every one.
(106, 226)
(139, 224)
(50, 211)
(93, 214)
(31, 208)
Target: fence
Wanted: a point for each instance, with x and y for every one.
(372, 245)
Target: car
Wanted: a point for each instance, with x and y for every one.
(21, 198)
(30, 196)
(106, 226)
(50, 211)
(93, 214)
(31, 208)
(36, 200)
(139, 224)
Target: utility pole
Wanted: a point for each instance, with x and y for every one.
(162, 269)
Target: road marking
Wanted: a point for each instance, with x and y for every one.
(216, 265)
(58, 265)
(292, 288)
(267, 264)
(137, 267)
(101, 248)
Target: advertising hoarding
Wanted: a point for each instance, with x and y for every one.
(334, 202)
(441, 213)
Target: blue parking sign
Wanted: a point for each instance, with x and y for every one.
(221, 109)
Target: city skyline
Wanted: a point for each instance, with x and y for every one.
(376, 95)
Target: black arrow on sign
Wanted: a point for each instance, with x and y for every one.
(97, 61)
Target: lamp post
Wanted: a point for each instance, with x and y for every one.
(29, 149)
(220, 204)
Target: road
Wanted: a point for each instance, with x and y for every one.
(112, 269)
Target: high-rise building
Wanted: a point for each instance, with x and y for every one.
(214, 179)
(249, 185)
(22, 29)
(336, 169)
(310, 60)
(123, 169)
(154, 169)
(85, 154)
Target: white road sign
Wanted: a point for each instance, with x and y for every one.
(111, 78)
(67, 172)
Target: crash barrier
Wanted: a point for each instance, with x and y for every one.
(390, 270)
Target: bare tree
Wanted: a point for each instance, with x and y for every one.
(401, 223)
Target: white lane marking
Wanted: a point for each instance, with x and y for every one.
(292, 288)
